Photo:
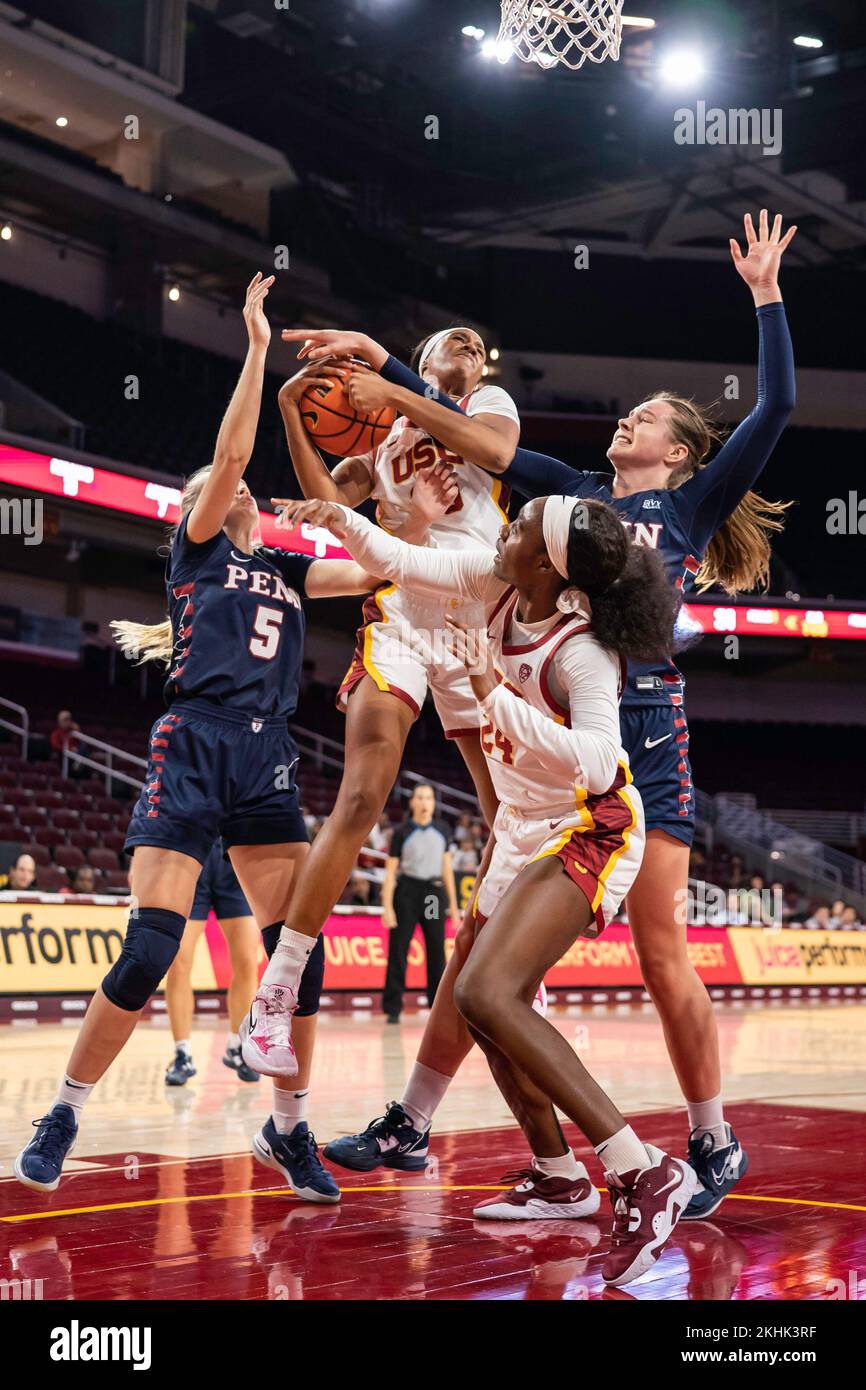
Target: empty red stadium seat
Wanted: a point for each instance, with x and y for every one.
(85, 840)
(51, 879)
(79, 802)
(40, 854)
(104, 859)
(97, 820)
(115, 840)
(51, 800)
(33, 815)
(16, 796)
(8, 779)
(68, 857)
(116, 882)
(33, 780)
(47, 835)
(66, 819)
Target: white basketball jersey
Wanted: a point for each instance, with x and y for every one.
(519, 777)
(480, 510)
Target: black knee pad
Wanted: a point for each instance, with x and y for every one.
(151, 944)
(271, 938)
(310, 988)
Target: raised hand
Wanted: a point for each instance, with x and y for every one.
(317, 343)
(764, 250)
(258, 328)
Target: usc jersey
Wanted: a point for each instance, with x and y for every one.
(481, 509)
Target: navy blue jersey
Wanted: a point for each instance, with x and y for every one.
(238, 625)
(678, 522)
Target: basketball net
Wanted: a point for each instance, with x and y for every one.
(548, 32)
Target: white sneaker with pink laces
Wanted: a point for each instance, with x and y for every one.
(266, 1032)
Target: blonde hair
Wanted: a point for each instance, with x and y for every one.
(142, 642)
(738, 556)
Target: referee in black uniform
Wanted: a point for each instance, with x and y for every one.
(418, 891)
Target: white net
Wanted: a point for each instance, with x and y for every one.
(548, 32)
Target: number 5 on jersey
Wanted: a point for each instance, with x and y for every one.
(494, 742)
(268, 626)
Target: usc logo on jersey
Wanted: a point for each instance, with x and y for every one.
(425, 453)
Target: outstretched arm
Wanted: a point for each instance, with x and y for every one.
(468, 573)
(714, 492)
(237, 433)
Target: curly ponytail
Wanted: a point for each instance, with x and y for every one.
(738, 556)
(634, 606)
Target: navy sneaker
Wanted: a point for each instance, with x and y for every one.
(40, 1164)
(296, 1156)
(719, 1170)
(234, 1058)
(180, 1070)
(392, 1141)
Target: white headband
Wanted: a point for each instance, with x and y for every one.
(434, 342)
(556, 528)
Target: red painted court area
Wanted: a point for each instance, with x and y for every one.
(218, 1228)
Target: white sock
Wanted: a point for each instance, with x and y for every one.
(182, 1045)
(234, 1041)
(707, 1117)
(623, 1151)
(563, 1166)
(290, 1107)
(424, 1091)
(286, 965)
(74, 1093)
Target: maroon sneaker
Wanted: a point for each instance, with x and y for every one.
(537, 1197)
(647, 1204)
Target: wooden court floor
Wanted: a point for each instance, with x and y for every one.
(164, 1200)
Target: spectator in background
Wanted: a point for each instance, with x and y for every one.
(463, 829)
(850, 919)
(358, 892)
(836, 911)
(63, 734)
(795, 908)
(83, 881)
(819, 919)
(21, 877)
(465, 858)
(379, 837)
(309, 821)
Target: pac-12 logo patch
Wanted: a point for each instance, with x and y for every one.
(256, 726)
(524, 673)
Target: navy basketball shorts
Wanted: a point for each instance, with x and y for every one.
(656, 738)
(218, 888)
(213, 771)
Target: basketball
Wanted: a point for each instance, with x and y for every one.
(335, 426)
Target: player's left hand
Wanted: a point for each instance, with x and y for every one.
(258, 328)
(366, 391)
(435, 490)
(765, 248)
(313, 512)
(472, 650)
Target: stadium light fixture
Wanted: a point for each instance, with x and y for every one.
(683, 67)
(472, 31)
(494, 354)
(804, 41)
(493, 48)
(174, 294)
(633, 21)
(6, 232)
(62, 122)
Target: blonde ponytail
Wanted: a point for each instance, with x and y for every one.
(738, 556)
(142, 642)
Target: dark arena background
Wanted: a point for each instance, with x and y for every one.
(399, 169)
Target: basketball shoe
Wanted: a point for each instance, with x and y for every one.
(296, 1156)
(647, 1204)
(40, 1162)
(537, 1196)
(718, 1171)
(266, 1032)
(391, 1141)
